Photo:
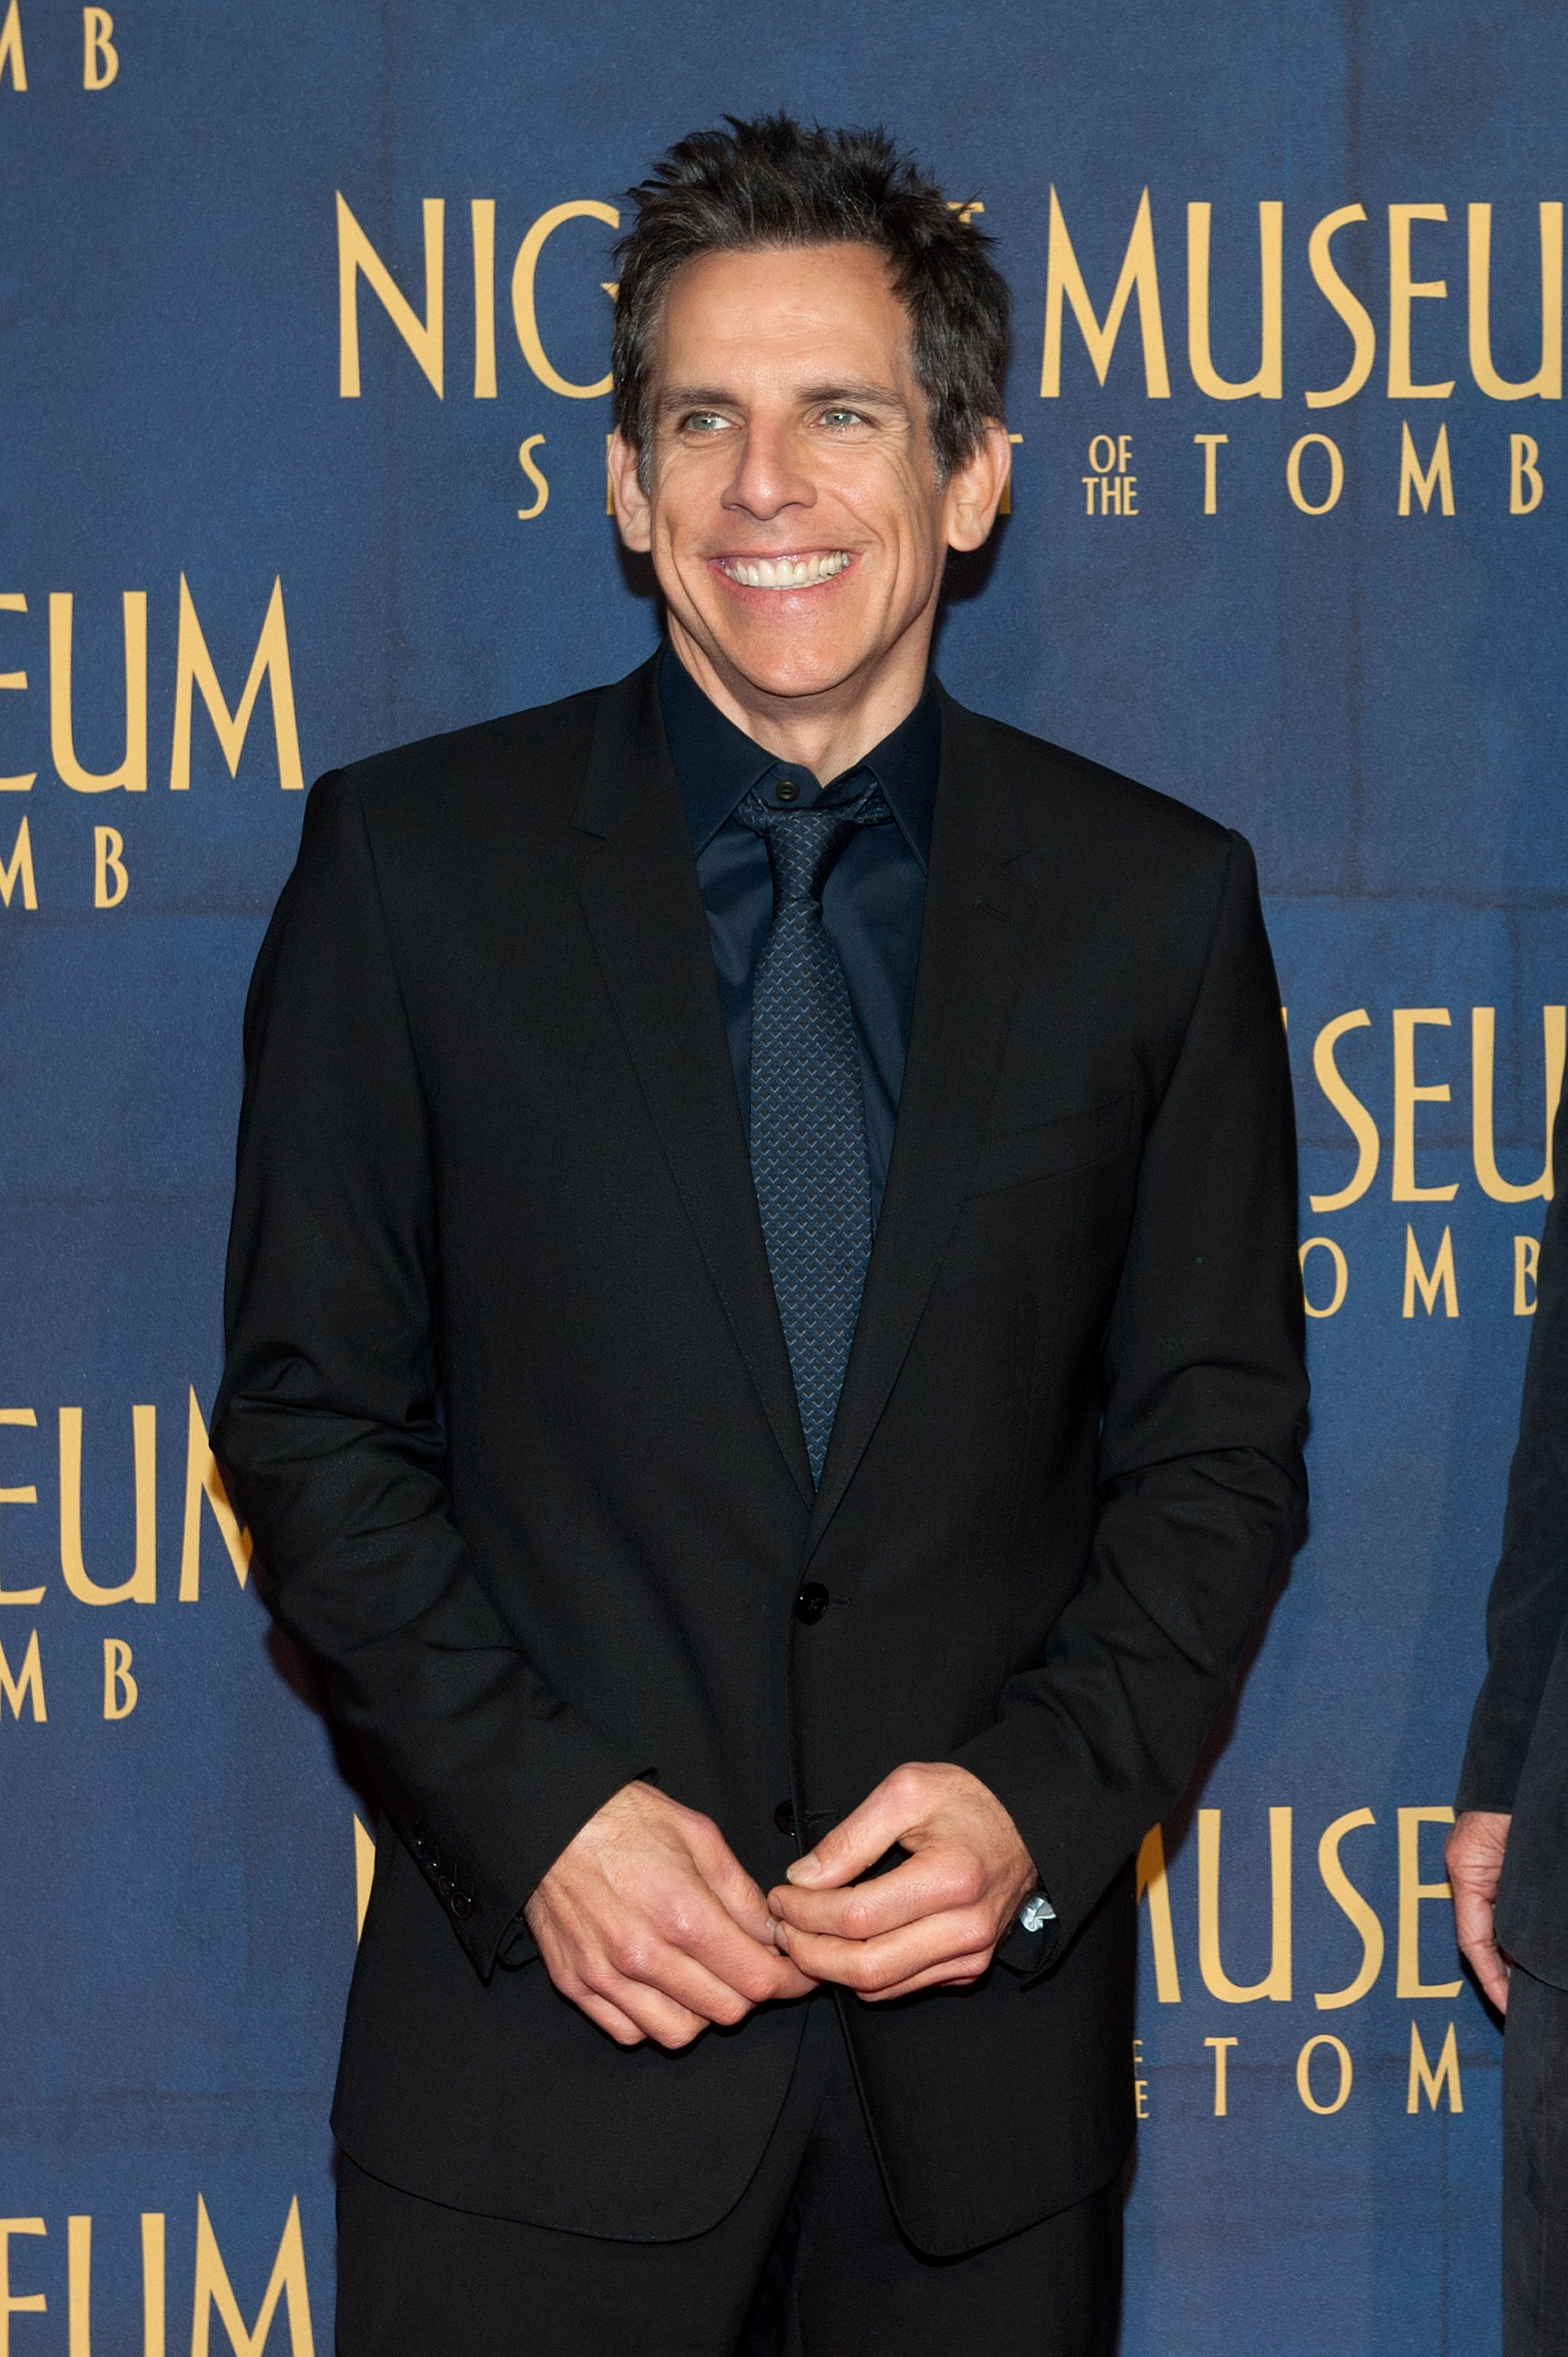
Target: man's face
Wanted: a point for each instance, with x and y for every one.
(795, 519)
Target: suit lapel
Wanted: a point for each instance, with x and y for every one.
(978, 917)
(638, 883)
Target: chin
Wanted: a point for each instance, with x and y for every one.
(784, 660)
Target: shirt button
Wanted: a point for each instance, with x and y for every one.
(812, 1602)
(787, 790)
(784, 1818)
(462, 1906)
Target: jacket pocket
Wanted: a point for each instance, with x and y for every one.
(1048, 1149)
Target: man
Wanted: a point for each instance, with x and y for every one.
(769, 1649)
(1508, 1854)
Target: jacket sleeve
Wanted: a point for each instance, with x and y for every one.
(328, 1421)
(1527, 1609)
(1201, 1478)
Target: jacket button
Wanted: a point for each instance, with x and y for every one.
(812, 1602)
(462, 1906)
(784, 1818)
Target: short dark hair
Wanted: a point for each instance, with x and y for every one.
(771, 182)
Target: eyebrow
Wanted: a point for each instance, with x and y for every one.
(856, 395)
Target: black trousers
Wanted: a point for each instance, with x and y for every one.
(810, 2263)
(1535, 2169)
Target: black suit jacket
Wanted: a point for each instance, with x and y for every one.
(1517, 1760)
(509, 1410)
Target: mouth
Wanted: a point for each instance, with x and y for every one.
(784, 571)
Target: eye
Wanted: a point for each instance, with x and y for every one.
(703, 421)
(838, 419)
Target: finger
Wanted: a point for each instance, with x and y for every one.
(938, 1882)
(868, 1834)
(740, 1897)
(677, 1978)
(651, 2012)
(962, 1973)
(884, 1963)
(697, 1927)
(607, 2017)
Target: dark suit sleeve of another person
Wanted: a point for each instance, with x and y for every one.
(328, 1422)
(1201, 1478)
(1527, 1610)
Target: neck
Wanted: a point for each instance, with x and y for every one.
(826, 733)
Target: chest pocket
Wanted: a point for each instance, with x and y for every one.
(1049, 1149)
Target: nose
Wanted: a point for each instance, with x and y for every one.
(769, 478)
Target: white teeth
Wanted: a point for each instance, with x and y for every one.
(786, 572)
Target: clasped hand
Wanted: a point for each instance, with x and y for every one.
(652, 1926)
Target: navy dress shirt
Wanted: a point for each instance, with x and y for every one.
(872, 902)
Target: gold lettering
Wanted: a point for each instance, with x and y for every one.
(213, 2289)
(1006, 506)
(482, 219)
(1303, 2075)
(120, 1689)
(27, 1686)
(1546, 384)
(202, 1479)
(1363, 335)
(132, 772)
(1412, 1890)
(1407, 1096)
(1418, 1279)
(1439, 475)
(20, 869)
(1483, 1045)
(100, 64)
(79, 2285)
(1422, 2076)
(364, 1872)
(13, 602)
(1268, 381)
(1350, 1108)
(25, 1497)
(108, 863)
(1346, 1897)
(523, 311)
(141, 1586)
(1526, 488)
(193, 668)
(536, 476)
(11, 55)
(1336, 1301)
(153, 2305)
(425, 337)
(1211, 445)
(1404, 290)
(1277, 1983)
(1526, 1263)
(15, 2303)
(1150, 1877)
(1139, 275)
(1335, 474)
(1222, 2092)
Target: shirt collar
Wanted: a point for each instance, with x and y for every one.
(718, 764)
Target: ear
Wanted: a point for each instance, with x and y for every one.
(973, 492)
(634, 509)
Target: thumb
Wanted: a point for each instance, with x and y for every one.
(864, 1836)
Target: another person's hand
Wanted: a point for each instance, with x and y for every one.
(929, 1924)
(649, 1923)
(1475, 1859)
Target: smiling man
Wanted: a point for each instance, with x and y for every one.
(764, 1362)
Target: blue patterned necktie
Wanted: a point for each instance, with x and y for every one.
(808, 1157)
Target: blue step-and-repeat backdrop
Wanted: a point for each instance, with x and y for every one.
(303, 328)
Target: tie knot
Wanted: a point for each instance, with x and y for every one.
(804, 846)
